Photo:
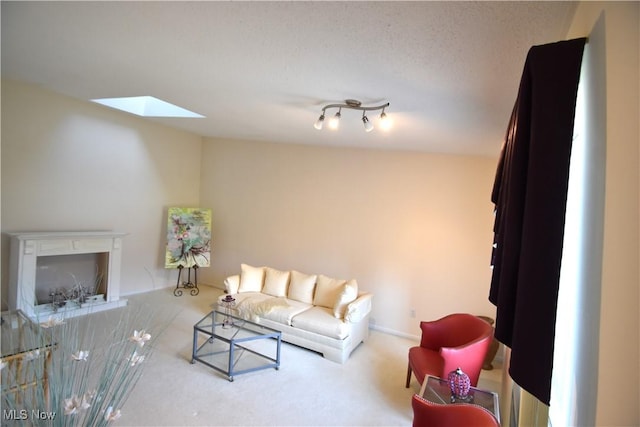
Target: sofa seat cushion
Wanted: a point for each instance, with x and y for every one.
(243, 303)
(257, 305)
(285, 314)
(321, 321)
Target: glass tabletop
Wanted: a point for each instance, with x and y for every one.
(437, 390)
(19, 334)
(229, 327)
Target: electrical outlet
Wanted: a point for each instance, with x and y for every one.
(412, 313)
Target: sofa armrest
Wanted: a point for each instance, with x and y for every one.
(231, 284)
(358, 309)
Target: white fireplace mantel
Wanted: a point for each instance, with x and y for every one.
(27, 247)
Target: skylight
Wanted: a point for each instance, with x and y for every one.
(146, 106)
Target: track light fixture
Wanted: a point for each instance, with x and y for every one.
(353, 104)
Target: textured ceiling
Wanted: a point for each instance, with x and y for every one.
(262, 70)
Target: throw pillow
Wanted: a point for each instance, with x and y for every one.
(327, 291)
(251, 278)
(348, 294)
(275, 282)
(302, 286)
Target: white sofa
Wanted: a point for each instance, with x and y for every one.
(326, 315)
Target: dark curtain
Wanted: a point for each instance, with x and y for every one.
(530, 195)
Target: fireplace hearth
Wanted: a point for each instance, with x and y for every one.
(65, 273)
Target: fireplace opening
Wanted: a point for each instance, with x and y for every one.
(73, 279)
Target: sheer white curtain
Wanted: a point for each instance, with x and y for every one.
(574, 379)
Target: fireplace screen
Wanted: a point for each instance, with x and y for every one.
(71, 279)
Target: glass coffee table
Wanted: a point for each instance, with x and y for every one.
(235, 346)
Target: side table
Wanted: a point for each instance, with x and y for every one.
(437, 390)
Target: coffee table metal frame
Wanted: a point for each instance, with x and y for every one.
(236, 335)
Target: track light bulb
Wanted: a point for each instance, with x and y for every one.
(319, 122)
(334, 122)
(385, 122)
(368, 126)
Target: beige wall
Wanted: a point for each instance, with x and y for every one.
(413, 228)
(72, 165)
(618, 369)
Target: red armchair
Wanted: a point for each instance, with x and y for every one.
(455, 341)
(428, 414)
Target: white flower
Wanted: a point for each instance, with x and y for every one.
(89, 395)
(74, 404)
(136, 358)
(140, 337)
(111, 415)
(34, 354)
(53, 321)
(80, 355)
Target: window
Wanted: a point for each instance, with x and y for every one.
(575, 365)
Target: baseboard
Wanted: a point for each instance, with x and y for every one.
(393, 332)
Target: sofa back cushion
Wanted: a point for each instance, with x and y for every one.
(348, 294)
(301, 287)
(275, 282)
(251, 278)
(327, 291)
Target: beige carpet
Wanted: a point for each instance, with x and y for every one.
(307, 390)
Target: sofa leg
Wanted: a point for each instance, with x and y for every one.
(408, 375)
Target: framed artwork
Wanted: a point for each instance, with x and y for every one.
(188, 238)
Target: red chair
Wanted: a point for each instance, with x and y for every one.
(455, 341)
(429, 414)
